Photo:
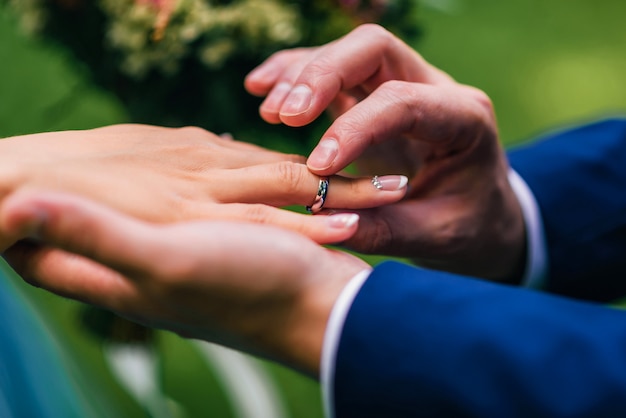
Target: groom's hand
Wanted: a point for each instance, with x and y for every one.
(395, 113)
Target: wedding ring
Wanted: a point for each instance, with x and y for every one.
(320, 197)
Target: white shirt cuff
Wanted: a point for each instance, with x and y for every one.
(537, 257)
(333, 335)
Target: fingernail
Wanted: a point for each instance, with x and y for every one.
(390, 183)
(274, 99)
(324, 154)
(342, 220)
(259, 73)
(298, 101)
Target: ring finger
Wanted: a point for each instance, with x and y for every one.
(287, 183)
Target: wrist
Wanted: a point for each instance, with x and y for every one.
(507, 256)
(303, 336)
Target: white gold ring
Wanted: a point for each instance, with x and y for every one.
(320, 197)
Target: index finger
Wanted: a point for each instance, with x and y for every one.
(80, 226)
(444, 121)
(365, 58)
(286, 183)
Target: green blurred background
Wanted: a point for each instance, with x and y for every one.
(545, 63)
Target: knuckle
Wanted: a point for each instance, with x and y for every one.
(373, 29)
(194, 132)
(173, 272)
(257, 213)
(402, 94)
(381, 37)
(292, 176)
(397, 94)
(405, 101)
(181, 206)
(295, 158)
(481, 98)
(286, 55)
(450, 238)
(349, 129)
(484, 100)
(396, 88)
(323, 68)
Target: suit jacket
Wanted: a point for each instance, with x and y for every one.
(426, 343)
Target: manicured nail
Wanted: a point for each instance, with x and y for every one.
(298, 101)
(390, 183)
(324, 154)
(342, 220)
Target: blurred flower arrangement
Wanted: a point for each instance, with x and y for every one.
(179, 62)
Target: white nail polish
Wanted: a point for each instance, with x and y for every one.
(342, 220)
(390, 183)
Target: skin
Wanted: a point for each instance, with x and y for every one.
(396, 113)
(264, 289)
(256, 288)
(165, 175)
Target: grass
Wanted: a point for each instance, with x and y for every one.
(545, 63)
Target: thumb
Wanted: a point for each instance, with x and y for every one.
(79, 226)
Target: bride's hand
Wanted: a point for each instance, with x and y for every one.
(252, 287)
(164, 174)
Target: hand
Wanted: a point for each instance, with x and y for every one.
(164, 175)
(395, 113)
(255, 288)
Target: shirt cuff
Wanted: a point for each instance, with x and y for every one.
(537, 257)
(333, 335)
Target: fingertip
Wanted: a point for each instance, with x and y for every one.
(323, 156)
(343, 220)
(390, 183)
(269, 116)
(270, 108)
(334, 228)
(297, 102)
(259, 81)
(295, 121)
(23, 214)
(302, 105)
(255, 86)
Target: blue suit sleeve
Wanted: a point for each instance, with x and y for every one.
(433, 344)
(579, 180)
